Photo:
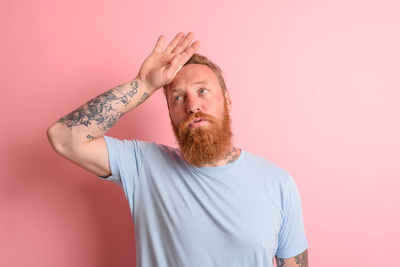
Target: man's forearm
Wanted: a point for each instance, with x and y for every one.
(97, 116)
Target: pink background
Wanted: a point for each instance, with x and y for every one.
(315, 89)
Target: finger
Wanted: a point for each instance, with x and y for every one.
(179, 60)
(173, 67)
(189, 51)
(159, 45)
(174, 42)
(183, 43)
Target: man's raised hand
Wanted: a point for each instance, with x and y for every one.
(161, 66)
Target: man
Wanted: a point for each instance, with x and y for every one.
(206, 204)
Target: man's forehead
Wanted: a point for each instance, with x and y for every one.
(177, 87)
(193, 74)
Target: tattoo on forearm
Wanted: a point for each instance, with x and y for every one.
(89, 137)
(100, 110)
(126, 97)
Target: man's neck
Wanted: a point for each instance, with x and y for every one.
(230, 157)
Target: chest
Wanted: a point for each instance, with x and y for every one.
(229, 215)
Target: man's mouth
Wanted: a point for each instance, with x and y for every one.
(197, 121)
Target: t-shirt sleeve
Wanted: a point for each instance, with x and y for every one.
(292, 238)
(125, 159)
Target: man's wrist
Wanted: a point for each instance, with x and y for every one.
(143, 84)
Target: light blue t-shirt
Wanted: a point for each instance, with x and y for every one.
(238, 215)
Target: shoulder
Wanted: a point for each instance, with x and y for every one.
(268, 168)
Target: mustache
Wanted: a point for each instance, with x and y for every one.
(192, 116)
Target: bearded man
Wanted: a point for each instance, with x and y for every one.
(205, 204)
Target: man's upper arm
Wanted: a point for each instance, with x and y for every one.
(92, 156)
(300, 260)
(291, 238)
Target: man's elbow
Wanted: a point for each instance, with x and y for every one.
(58, 139)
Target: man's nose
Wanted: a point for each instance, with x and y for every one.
(193, 104)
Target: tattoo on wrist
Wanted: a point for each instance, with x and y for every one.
(134, 86)
(89, 137)
(143, 98)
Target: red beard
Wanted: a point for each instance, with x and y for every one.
(204, 145)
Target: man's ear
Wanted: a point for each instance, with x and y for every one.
(228, 100)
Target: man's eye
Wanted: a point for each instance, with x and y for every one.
(203, 90)
(177, 98)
